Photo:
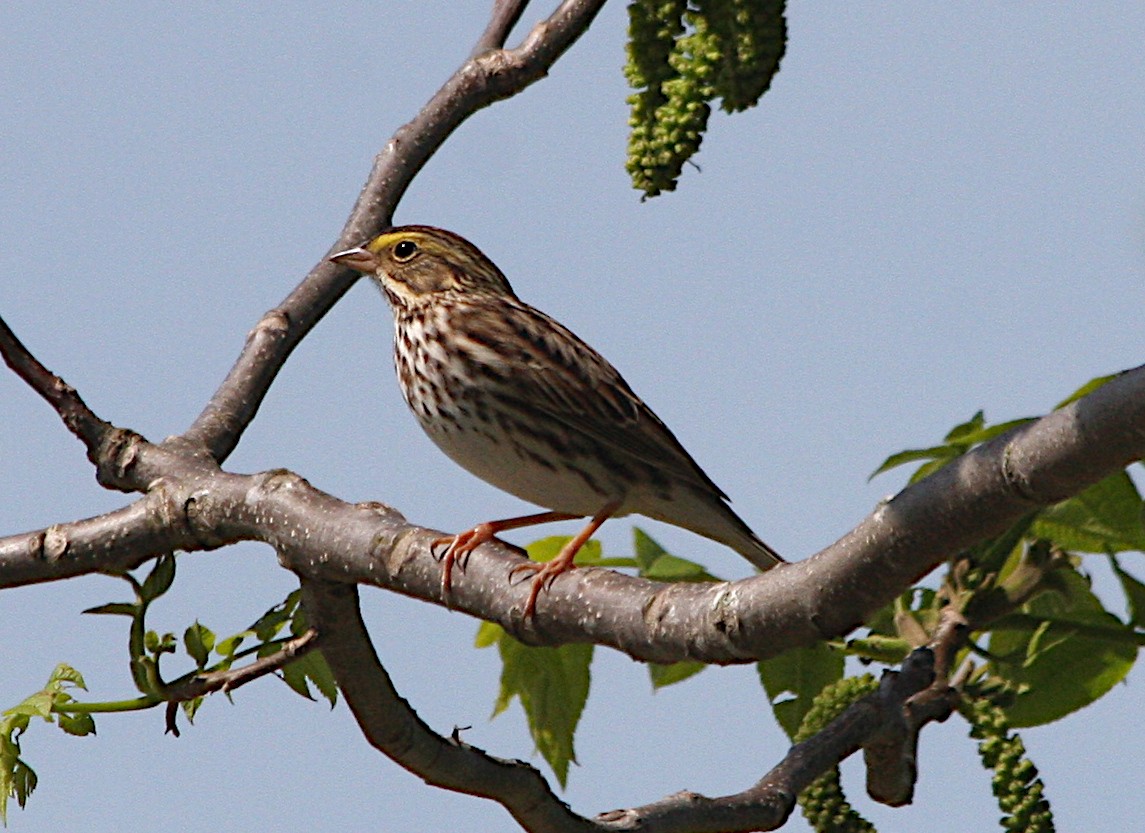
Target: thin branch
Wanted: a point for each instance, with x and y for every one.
(392, 727)
(108, 447)
(208, 682)
(490, 76)
(505, 15)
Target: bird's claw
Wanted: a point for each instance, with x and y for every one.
(543, 577)
(457, 550)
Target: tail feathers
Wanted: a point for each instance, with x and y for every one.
(759, 553)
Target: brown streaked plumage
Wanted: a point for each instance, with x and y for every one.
(517, 399)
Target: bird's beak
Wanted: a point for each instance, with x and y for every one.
(357, 258)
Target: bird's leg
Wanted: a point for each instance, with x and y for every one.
(544, 574)
(463, 543)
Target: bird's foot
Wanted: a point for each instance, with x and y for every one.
(543, 577)
(458, 547)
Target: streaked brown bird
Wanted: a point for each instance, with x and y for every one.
(518, 400)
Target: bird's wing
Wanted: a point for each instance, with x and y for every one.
(560, 375)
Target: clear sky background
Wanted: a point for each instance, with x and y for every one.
(937, 208)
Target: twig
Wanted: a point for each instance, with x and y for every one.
(105, 443)
(505, 15)
(208, 682)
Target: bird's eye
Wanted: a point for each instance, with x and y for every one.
(404, 250)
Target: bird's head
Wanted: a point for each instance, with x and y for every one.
(413, 263)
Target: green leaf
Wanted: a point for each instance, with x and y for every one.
(488, 633)
(792, 681)
(992, 554)
(191, 707)
(552, 685)
(268, 626)
(65, 676)
(1086, 389)
(959, 441)
(989, 432)
(1078, 653)
(295, 677)
(198, 639)
(115, 609)
(1134, 594)
(657, 564)
(319, 673)
(879, 648)
(940, 452)
(36, 705)
(546, 549)
(17, 780)
(1104, 518)
(78, 723)
(666, 675)
(228, 646)
(156, 644)
(971, 426)
(160, 578)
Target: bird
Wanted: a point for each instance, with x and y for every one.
(514, 397)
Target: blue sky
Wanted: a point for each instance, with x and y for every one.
(935, 210)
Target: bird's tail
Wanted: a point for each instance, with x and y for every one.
(759, 553)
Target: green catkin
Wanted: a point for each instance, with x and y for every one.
(823, 803)
(731, 51)
(1016, 785)
(751, 37)
(653, 27)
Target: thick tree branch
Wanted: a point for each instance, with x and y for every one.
(194, 505)
(489, 76)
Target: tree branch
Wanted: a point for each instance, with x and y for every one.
(505, 15)
(393, 728)
(193, 505)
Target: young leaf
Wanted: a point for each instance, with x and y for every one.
(666, 675)
(198, 639)
(488, 633)
(160, 578)
(971, 426)
(114, 609)
(794, 679)
(657, 564)
(1078, 634)
(311, 668)
(268, 625)
(77, 723)
(1086, 389)
(546, 549)
(1134, 594)
(938, 452)
(228, 646)
(318, 672)
(64, 676)
(1104, 518)
(552, 685)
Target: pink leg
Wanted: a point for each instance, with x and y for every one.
(463, 543)
(544, 574)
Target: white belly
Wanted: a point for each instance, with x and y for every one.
(515, 467)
